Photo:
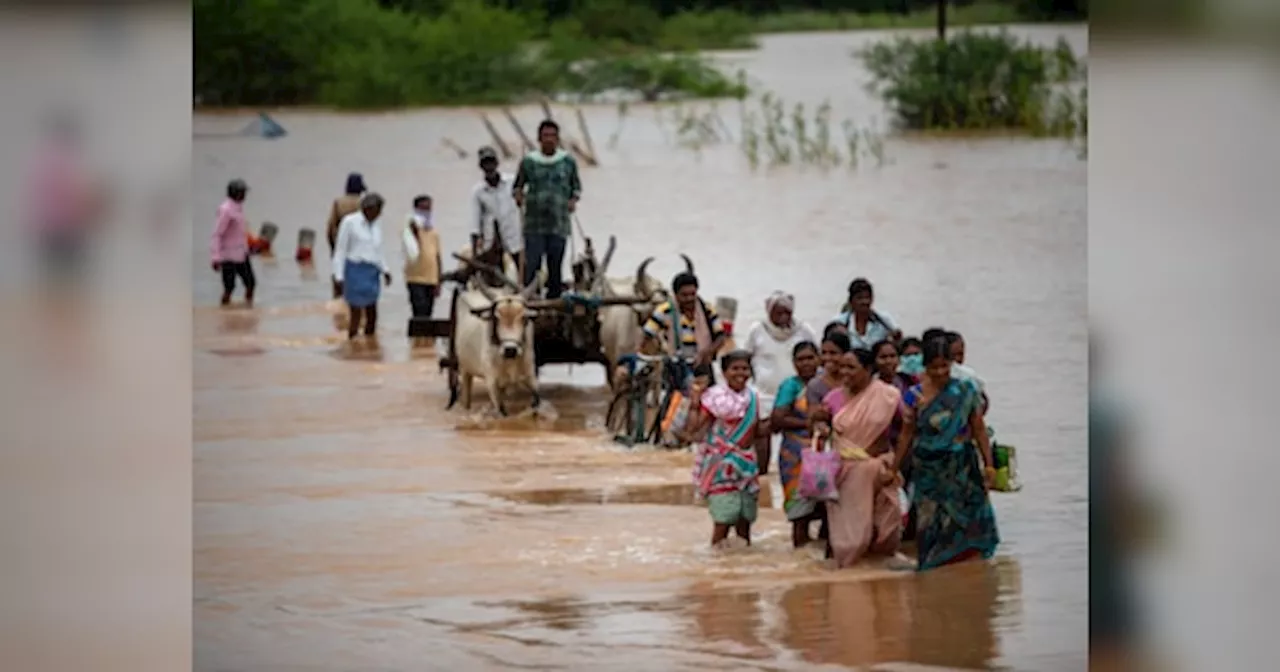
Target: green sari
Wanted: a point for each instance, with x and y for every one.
(954, 518)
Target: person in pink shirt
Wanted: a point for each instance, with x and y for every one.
(230, 246)
(61, 204)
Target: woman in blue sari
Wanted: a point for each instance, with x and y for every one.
(942, 423)
(791, 418)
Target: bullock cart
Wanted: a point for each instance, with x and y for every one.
(563, 330)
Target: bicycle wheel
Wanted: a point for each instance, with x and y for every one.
(655, 430)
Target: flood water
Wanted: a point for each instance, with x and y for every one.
(345, 521)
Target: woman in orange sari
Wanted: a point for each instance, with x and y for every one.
(867, 517)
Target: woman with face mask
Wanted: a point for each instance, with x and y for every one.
(910, 357)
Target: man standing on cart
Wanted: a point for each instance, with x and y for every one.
(493, 208)
(548, 188)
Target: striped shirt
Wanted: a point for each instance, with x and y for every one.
(659, 326)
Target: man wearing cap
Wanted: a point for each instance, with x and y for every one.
(493, 207)
(230, 246)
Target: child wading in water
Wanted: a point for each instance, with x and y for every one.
(726, 470)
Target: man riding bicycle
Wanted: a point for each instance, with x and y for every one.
(687, 327)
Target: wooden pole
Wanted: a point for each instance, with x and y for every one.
(497, 139)
(586, 135)
(942, 20)
(579, 152)
(515, 123)
(546, 111)
(462, 153)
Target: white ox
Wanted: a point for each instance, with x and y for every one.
(492, 338)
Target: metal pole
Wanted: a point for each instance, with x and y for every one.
(942, 20)
(524, 253)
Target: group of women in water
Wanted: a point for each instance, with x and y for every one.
(903, 414)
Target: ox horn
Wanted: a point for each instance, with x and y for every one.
(600, 282)
(688, 263)
(532, 290)
(641, 271)
(608, 257)
(497, 272)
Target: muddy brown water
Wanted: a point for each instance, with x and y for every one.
(345, 521)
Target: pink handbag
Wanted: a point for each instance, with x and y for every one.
(818, 472)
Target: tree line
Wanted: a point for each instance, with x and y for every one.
(1038, 10)
(387, 53)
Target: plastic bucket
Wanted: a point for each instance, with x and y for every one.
(727, 309)
(306, 242)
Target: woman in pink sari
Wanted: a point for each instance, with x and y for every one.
(866, 518)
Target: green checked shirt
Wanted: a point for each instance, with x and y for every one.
(548, 183)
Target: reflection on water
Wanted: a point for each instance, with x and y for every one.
(670, 494)
(359, 349)
(238, 322)
(344, 520)
(245, 351)
(834, 621)
(730, 617)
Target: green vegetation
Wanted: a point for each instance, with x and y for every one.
(975, 81)
(389, 53)
(773, 133)
(981, 13)
(788, 134)
(357, 54)
(716, 29)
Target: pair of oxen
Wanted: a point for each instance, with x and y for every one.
(492, 331)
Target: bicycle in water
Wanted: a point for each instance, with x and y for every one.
(661, 379)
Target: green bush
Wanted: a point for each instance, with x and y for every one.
(974, 14)
(976, 81)
(1053, 10)
(357, 54)
(619, 21)
(354, 53)
(718, 29)
(250, 51)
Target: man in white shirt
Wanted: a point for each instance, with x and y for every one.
(865, 326)
(494, 206)
(358, 263)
